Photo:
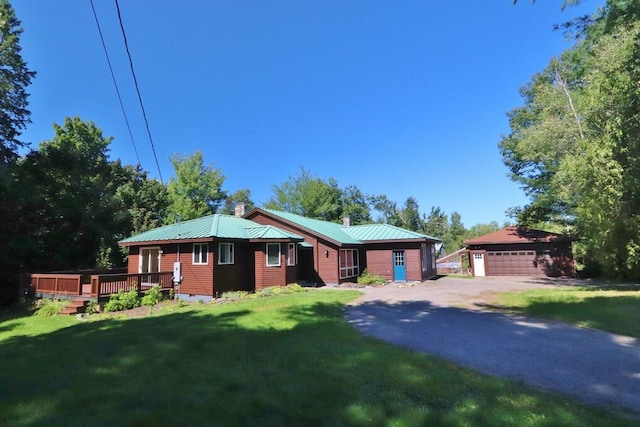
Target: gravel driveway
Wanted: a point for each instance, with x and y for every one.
(450, 318)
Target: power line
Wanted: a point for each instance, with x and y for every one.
(135, 81)
(115, 83)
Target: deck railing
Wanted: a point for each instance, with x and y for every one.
(98, 285)
(58, 284)
(106, 284)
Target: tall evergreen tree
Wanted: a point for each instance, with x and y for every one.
(15, 77)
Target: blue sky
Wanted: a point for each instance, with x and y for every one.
(399, 98)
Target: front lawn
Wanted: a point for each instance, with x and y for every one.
(613, 310)
(276, 361)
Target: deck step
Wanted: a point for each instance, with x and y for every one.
(76, 306)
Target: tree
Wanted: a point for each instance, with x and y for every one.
(436, 223)
(481, 229)
(387, 209)
(308, 196)
(573, 145)
(239, 196)
(143, 200)
(196, 190)
(15, 77)
(453, 239)
(71, 207)
(355, 205)
(409, 216)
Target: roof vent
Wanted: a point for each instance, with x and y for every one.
(346, 221)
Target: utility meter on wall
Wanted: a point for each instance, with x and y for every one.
(177, 272)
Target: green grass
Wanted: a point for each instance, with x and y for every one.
(613, 310)
(277, 361)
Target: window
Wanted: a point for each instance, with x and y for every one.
(349, 265)
(225, 253)
(291, 254)
(423, 249)
(149, 260)
(433, 257)
(273, 254)
(200, 253)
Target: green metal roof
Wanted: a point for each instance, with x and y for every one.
(355, 234)
(369, 232)
(270, 232)
(221, 226)
(328, 229)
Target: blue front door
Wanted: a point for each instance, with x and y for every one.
(399, 268)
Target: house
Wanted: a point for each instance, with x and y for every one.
(219, 253)
(215, 254)
(520, 251)
(334, 253)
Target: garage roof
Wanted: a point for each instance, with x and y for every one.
(517, 234)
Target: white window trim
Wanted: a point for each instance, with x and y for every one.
(204, 248)
(355, 267)
(232, 253)
(423, 247)
(279, 254)
(146, 249)
(295, 254)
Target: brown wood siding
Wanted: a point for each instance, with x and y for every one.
(238, 276)
(380, 262)
(311, 272)
(196, 279)
(413, 264)
(327, 263)
(268, 275)
(132, 260)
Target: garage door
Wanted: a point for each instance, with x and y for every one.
(513, 263)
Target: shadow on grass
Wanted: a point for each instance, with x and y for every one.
(300, 366)
(619, 314)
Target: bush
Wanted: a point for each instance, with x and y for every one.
(92, 307)
(294, 287)
(48, 307)
(280, 290)
(123, 301)
(235, 294)
(152, 296)
(367, 278)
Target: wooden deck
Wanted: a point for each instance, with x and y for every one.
(95, 286)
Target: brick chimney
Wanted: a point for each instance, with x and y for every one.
(346, 221)
(239, 210)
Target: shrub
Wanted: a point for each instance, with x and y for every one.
(294, 287)
(280, 290)
(92, 307)
(48, 307)
(123, 301)
(235, 294)
(367, 278)
(152, 296)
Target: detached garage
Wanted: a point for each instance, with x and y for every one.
(519, 251)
